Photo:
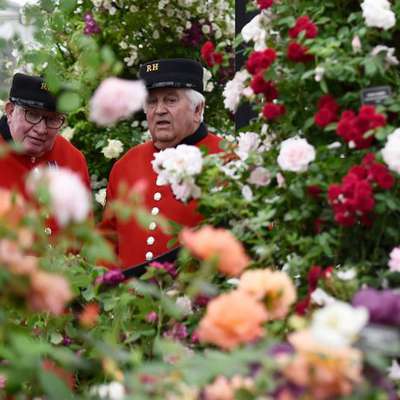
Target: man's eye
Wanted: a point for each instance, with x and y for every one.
(171, 100)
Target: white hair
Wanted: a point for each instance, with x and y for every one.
(195, 98)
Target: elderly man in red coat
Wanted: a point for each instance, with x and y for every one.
(33, 122)
(174, 110)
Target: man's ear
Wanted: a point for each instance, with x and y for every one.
(198, 112)
(9, 108)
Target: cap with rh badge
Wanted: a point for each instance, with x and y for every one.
(173, 72)
(31, 91)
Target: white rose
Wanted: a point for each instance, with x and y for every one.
(260, 176)
(116, 99)
(248, 142)
(321, 298)
(100, 197)
(185, 305)
(390, 58)
(391, 151)
(253, 31)
(295, 155)
(113, 149)
(69, 197)
(338, 324)
(68, 133)
(377, 13)
(234, 89)
(247, 193)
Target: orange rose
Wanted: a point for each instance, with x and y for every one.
(232, 319)
(208, 243)
(326, 372)
(49, 292)
(274, 287)
(89, 315)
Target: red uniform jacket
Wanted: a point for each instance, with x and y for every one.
(15, 167)
(136, 244)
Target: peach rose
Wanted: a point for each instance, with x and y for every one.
(12, 207)
(89, 315)
(16, 262)
(273, 287)
(232, 319)
(49, 292)
(208, 243)
(220, 389)
(326, 373)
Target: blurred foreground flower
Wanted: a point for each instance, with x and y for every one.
(326, 372)
(232, 319)
(274, 288)
(69, 198)
(49, 292)
(89, 315)
(116, 99)
(210, 243)
(111, 278)
(111, 391)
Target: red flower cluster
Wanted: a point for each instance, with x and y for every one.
(260, 85)
(209, 55)
(352, 127)
(260, 60)
(305, 24)
(315, 274)
(272, 111)
(353, 200)
(264, 4)
(327, 111)
(298, 53)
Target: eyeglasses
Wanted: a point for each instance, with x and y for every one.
(52, 122)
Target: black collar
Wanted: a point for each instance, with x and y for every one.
(195, 137)
(5, 129)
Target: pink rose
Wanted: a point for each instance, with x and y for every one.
(394, 262)
(260, 176)
(295, 155)
(116, 99)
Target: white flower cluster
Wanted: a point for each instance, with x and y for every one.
(390, 58)
(254, 31)
(377, 13)
(69, 198)
(178, 167)
(391, 151)
(338, 324)
(295, 154)
(111, 391)
(234, 89)
(113, 149)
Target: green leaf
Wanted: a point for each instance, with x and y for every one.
(67, 6)
(54, 387)
(68, 102)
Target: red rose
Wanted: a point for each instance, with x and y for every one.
(264, 4)
(304, 24)
(314, 191)
(272, 111)
(260, 60)
(209, 55)
(267, 88)
(324, 117)
(298, 53)
(327, 101)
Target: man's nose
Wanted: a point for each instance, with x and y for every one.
(160, 108)
(41, 127)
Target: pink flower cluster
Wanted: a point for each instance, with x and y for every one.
(352, 127)
(353, 200)
(297, 52)
(91, 27)
(327, 111)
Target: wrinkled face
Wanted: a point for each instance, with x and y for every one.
(171, 116)
(35, 130)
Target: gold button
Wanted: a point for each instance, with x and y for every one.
(155, 211)
(149, 255)
(152, 226)
(150, 240)
(157, 196)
